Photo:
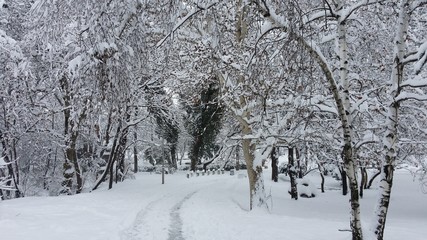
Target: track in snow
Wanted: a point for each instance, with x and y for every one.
(175, 228)
(134, 231)
(160, 219)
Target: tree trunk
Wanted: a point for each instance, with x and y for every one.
(256, 182)
(68, 175)
(363, 181)
(110, 164)
(12, 168)
(274, 165)
(120, 150)
(344, 181)
(299, 168)
(391, 135)
(173, 155)
(195, 152)
(71, 156)
(292, 173)
(237, 158)
(113, 157)
(135, 152)
(322, 183)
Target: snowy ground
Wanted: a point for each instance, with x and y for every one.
(208, 207)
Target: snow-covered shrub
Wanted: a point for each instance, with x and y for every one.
(306, 189)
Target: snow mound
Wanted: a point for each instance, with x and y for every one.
(306, 189)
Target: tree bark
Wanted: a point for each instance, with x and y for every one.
(195, 152)
(135, 152)
(391, 135)
(299, 168)
(121, 148)
(237, 157)
(344, 181)
(292, 173)
(363, 180)
(256, 182)
(322, 183)
(109, 168)
(274, 165)
(71, 156)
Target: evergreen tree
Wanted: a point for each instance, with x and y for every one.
(203, 124)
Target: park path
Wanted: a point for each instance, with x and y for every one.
(160, 219)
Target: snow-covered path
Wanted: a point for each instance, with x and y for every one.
(204, 208)
(160, 218)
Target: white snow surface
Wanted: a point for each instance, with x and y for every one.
(207, 207)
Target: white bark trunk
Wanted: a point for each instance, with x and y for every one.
(348, 149)
(391, 139)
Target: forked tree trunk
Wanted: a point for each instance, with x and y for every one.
(110, 164)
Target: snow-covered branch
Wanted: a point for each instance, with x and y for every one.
(419, 57)
(183, 20)
(418, 81)
(410, 96)
(347, 12)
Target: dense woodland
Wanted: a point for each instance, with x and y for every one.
(90, 89)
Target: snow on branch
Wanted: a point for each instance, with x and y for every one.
(422, 57)
(410, 96)
(367, 139)
(419, 57)
(415, 82)
(183, 20)
(347, 12)
(322, 13)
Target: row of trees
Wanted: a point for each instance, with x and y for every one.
(302, 73)
(87, 84)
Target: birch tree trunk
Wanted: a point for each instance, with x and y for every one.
(292, 173)
(348, 152)
(391, 139)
